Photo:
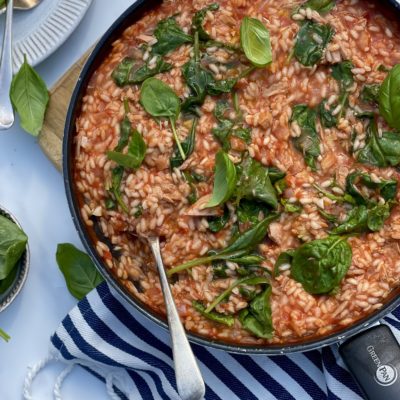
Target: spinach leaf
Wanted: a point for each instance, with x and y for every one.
(125, 129)
(257, 318)
(361, 219)
(242, 133)
(325, 115)
(252, 280)
(198, 20)
(7, 282)
(342, 73)
(255, 41)
(217, 87)
(311, 41)
(116, 180)
(320, 265)
(29, 97)
(225, 319)
(290, 207)
(242, 245)
(188, 145)
(385, 188)
(322, 6)
(169, 36)
(78, 269)
(251, 211)
(4, 335)
(136, 152)
(192, 198)
(215, 224)
(159, 100)
(389, 98)
(224, 181)
(381, 151)
(12, 245)
(254, 183)
(346, 198)
(308, 142)
(222, 133)
(275, 175)
(120, 74)
(370, 93)
(285, 257)
(329, 217)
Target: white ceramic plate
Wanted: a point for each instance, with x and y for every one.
(40, 31)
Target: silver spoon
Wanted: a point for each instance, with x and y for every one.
(6, 72)
(188, 377)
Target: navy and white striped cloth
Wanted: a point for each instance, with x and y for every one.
(132, 356)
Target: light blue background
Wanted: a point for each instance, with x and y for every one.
(33, 191)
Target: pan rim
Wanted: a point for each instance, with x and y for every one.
(69, 131)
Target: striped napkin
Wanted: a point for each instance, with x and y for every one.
(132, 356)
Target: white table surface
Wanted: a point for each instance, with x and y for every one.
(33, 191)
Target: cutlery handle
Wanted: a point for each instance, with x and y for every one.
(188, 377)
(6, 72)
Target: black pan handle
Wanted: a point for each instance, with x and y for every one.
(373, 358)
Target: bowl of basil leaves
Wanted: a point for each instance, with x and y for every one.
(14, 258)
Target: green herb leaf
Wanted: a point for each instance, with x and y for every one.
(342, 73)
(12, 245)
(224, 181)
(257, 318)
(29, 97)
(169, 36)
(320, 265)
(251, 211)
(116, 180)
(389, 98)
(307, 50)
(308, 142)
(136, 153)
(346, 198)
(6, 283)
(125, 132)
(370, 93)
(78, 269)
(285, 257)
(120, 74)
(322, 6)
(188, 145)
(252, 280)
(255, 41)
(198, 20)
(215, 224)
(254, 183)
(325, 115)
(228, 320)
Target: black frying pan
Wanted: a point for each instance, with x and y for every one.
(372, 354)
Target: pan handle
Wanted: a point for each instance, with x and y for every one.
(373, 358)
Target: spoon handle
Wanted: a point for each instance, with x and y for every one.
(6, 73)
(188, 377)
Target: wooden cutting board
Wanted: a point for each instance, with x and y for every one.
(51, 136)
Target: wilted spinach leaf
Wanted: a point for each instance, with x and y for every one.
(169, 36)
(257, 317)
(320, 265)
(389, 98)
(344, 76)
(311, 41)
(116, 180)
(251, 211)
(198, 20)
(285, 257)
(370, 93)
(188, 145)
(322, 6)
(81, 276)
(225, 319)
(308, 142)
(325, 115)
(215, 224)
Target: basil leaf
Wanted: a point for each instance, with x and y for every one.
(198, 20)
(322, 6)
(254, 183)
(370, 93)
(29, 97)
(242, 245)
(381, 151)
(188, 145)
(159, 100)
(12, 245)
(169, 36)
(228, 320)
(257, 318)
(385, 188)
(307, 50)
(116, 180)
(308, 142)
(252, 280)
(136, 153)
(255, 41)
(325, 115)
(81, 276)
(224, 181)
(320, 265)
(285, 257)
(215, 224)
(389, 98)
